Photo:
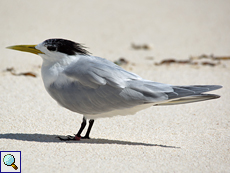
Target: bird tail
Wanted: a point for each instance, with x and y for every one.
(189, 99)
(190, 94)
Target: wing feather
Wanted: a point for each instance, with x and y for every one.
(98, 86)
(94, 71)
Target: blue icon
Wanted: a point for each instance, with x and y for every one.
(9, 160)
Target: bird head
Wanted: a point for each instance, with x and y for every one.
(53, 49)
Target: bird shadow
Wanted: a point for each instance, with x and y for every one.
(53, 139)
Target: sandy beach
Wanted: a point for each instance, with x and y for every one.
(184, 138)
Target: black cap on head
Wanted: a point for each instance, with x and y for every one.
(65, 46)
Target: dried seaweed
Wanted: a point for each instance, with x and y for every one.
(173, 61)
(196, 60)
(212, 57)
(121, 61)
(209, 63)
(140, 46)
(12, 71)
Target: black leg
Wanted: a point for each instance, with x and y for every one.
(78, 135)
(83, 124)
(89, 129)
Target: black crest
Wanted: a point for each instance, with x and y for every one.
(65, 46)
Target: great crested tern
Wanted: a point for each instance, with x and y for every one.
(97, 88)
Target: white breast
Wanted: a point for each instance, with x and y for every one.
(52, 69)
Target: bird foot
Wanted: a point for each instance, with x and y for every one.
(72, 138)
(85, 137)
(69, 138)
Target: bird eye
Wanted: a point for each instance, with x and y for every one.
(51, 48)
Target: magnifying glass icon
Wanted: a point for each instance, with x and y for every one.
(9, 160)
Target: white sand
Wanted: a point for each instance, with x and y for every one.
(184, 138)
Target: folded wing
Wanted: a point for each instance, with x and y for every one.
(101, 86)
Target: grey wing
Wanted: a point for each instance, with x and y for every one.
(101, 86)
(105, 86)
(95, 71)
(190, 94)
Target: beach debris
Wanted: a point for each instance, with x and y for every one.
(196, 60)
(222, 58)
(12, 71)
(212, 57)
(173, 61)
(140, 46)
(209, 63)
(121, 61)
(203, 56)
(27, 74)
(166, 61)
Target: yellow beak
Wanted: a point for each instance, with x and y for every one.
(26, 48)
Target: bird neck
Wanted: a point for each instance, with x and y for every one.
(52, 70)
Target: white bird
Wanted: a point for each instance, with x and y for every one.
(97, 88)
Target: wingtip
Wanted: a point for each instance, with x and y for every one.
(217, 96)
(219, 86)
(211, 96)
